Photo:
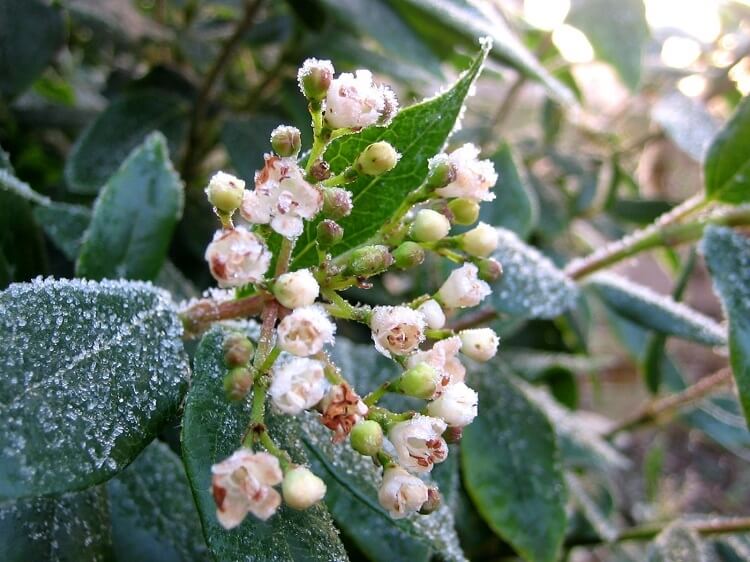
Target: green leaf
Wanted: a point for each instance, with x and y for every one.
(687, 122)
(618, 32)
(247, 140)
(727, 255)
(152, 510)
(727, 166)
(134, 217)
(212, 429)
(91, 371)
(70, 527)
(677, 543)
(21, 242)
(65, 224)
(31, 31)
(516, 207)
(638, 211)
(658, 312)
(519, 489)
(127, 121)
(418, 133)
(531, 286)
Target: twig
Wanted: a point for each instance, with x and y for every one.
(200, 315)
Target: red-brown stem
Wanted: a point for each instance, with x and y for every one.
(199, 316)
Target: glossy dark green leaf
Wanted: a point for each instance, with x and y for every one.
(677, 543)
(687, 122)
(515, 206)
(124, 125)
(418, 133)
(727, 255)
(72, 527)
(726, 169)
(152, 510)
(618, 32)
(90, 373)
(519, 489)
(658, 312)
(31, 31)
(247, 140)
(134, 216)
(212, 429)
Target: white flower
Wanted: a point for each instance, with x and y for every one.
(243, 483)
(479, 344)
(225, 191)
(419, 443)
(457, 406)
(281, 197)
(463, 288)
(433, 314)
(444, 358)
(296, 288)
(301, 488)
(396, 329)
(474, 178)
(305, 331)
(401, 493)
(353, 101)
(237, 257)
(481, 240)
(297, 385)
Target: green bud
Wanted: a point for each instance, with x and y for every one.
(419, 381)
(430, 226)
(329, 233)
(489, 269)
(225, 192)
(286, 140)
(464, 211)
(408, 254)
(314, 78)
(441, 173)
(337, 202)
(238, 383)
(238, 350)
(369, 260)
(376, 159)
(367, 437)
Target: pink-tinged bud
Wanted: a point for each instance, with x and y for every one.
(286, 141)
(305, 331)
(443, 357)
(353, 101)
(377, 159)
(225, 191)
(302, 489)
(368, 261)
(453, 435)
(330, 233)
(396, 329)
(242, 484)
(297, 385)
(237, 257)
(430, 226)
(314, 78)
(408, 255)
(480, 343)
(464, 211)
(367, 438)
(457, 405)
(238, 382)
(440, 172)
(341, 408)
(419, 443)
(238, 350)
(434, 500)
(337, 202)
(474, 178)
(401, 493)
(480, 241)
(320, 171)
(296, 289)
(490, 269)
(433, 314)
(463, 288)
(419, 381)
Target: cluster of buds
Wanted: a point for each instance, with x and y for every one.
(290, 367)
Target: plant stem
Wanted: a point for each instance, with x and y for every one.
(658, 407)
(189, 163)
(200, 315)
(373, 398)
(340, 308)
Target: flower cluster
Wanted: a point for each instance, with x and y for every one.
(288, 366)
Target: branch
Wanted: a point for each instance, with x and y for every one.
(199, 316)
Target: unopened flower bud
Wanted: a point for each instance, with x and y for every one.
(419, 381)
(401, 493)
(464, 211)
(369, 260)
(489, 269)
(480, 241)
(378, 158)
(456, 406)
(408, 255)
(329, 233)
(396, 329)
(314, 78)
(441, 172)
(301, 488)
(225, 192)
(430, 226)
(433, 314)
(434, 500)
(238, 350)
(453, 435)
(297, 288)
(463, 288)
(238, 382)
(367, 437)
(320, 170)
(286, 141)
(337, 202)
(480, 343)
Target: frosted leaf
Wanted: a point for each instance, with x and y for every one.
(90, 372)
(531, 286)
(658, 312)
(677, 543)
(70, 527)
